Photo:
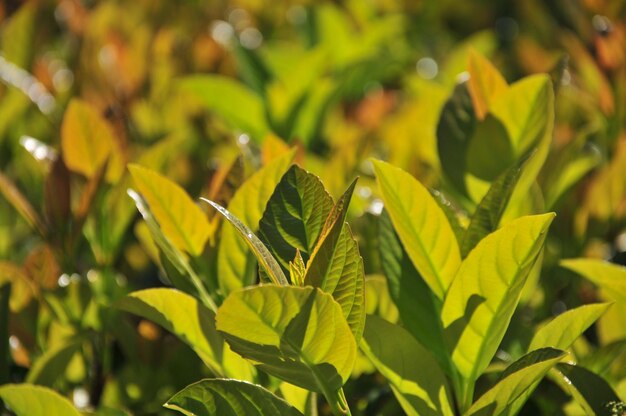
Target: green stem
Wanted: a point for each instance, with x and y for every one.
(204, 295)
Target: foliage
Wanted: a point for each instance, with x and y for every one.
(312, 208)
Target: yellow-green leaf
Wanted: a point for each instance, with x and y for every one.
(262, 254)
(235, 263)
(517, 381)
(297, 334)
(294, 216)
(224, 397)
(485, 292)
(563, 330)
(52, 363)
(590, 391)
(31, 400)
(239, 106)
(336, 266)
(182, 315)
(418, 307)
(181, 220)
(417, 381)
(610, 277)
(421, 225)
(485, 83)
(86, 138)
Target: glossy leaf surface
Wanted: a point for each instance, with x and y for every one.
(235, 263)
(517, 381)
(295, 216)
(297, 334)
(421, 225)
(486, 290)
(217, 397)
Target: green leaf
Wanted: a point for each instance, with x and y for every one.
(419, 309)
(240, 107)
(608, 276)
(454, 130)
(183, 316)
(605, 360)
(174, 262)
(297, 334)
(235, 264)
(421, 225)
(262, 254)
(297, 268)
(181, 220)
(485, 83)
(451, 214)
(417, 381)
(487, 216)
(526, 111)
(31, 400)
(563, 330)
(378, 300)
(51, 365)
(589, 390)
(87, 139)
(217, 397)
(516, 382)
(294, 216)
(485, 292)
(336, 266)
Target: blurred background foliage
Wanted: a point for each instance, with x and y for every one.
(207, 92)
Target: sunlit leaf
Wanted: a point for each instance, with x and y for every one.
(297, 334)
(610, 277)
(239, 106)
(421, 225)
(235, 263)
(31, 400)
(87, 139)
(378, 301)
(336, 266)
(217, 397)
(484, 84)
(486, 218)
(526, 111)
(182, 315)
(563, 330)
(262, 254)
(517, 381)
(485, 292)
(294, 216)
(181, 220)
(417, 381)
(173, 261)
(419, 309)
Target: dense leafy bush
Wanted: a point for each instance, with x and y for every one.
(325, 208)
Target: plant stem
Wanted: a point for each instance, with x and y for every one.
(204, 295)
(338, 403)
